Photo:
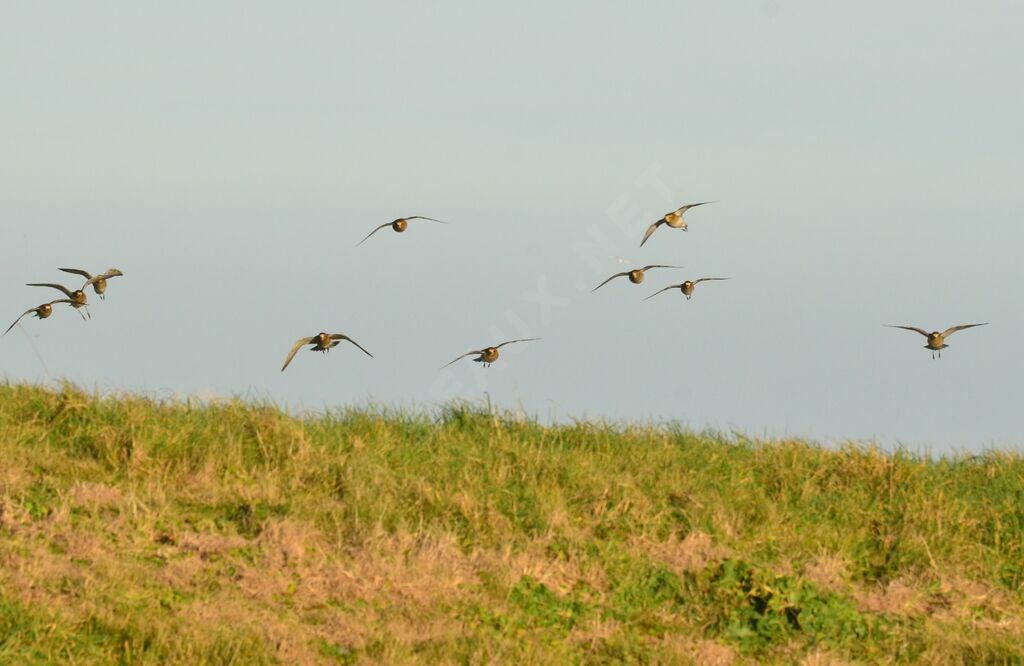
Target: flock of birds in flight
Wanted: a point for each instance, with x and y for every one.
(324, 342)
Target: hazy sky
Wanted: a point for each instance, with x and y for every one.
(866, 160)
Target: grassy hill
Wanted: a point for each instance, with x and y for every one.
(148, 532)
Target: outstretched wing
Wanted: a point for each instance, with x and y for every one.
(511, 341)
(77, 271)
(109, 273)
(647, 268)
(423, 217)
(458, 358)
(29, 311)
(910, 328)
(683, 209)
(66, 291)
(650, 230)
(342, 336)
(708, 280)
(671, 286)
(295, 348)
(609, 280)
(386, 224)
(953, 329)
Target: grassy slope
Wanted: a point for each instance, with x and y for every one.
(146, 532)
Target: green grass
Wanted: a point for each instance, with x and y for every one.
(139, 531)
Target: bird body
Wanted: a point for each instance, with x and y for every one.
(636, 275)
(936, 340)
(399, 225)
(487, 355)
(673, 220)
(687, 287)
(322, 342)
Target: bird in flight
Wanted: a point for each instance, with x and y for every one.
(77, 297)
(673, 219)
(322, 342)
(686, 287)
(98, 282)
(936, 340)
(399, 225)
(487, 355)
(636, 276)
(42, 311)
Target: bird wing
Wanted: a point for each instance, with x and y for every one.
(671, 286)
(609, 280)
(708, 280)
(295, 348)
(953, 329)
(423, 217)
(109, 273)
(458, 358)
(683, 209)
(50, 284)
(511, 341)
(910, 328)
(386, 224)
(647, 268)
(77, 271)
(29, 311)
(650, 230)
(342, 336)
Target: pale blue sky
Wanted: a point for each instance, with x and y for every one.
(228, 156)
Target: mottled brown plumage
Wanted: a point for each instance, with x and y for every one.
(636, 275)
(77, 297)
(674, 220)
(41, 311)
(98, 282)
(936, 341)
(399, 225)
(487, 355)
(685, 287)
(322, 342)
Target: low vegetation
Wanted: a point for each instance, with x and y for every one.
(141, 531)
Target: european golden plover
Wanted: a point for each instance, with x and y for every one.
(322, 342)
(487, 355)
(674, 220)
(936, 340)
